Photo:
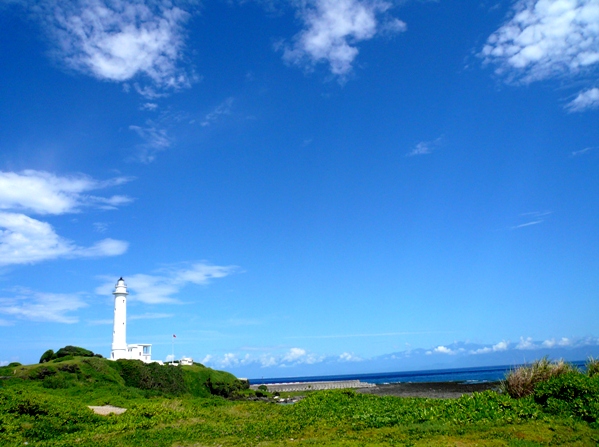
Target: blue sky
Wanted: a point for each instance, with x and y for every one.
(301, 187)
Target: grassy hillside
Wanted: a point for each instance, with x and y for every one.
(46, 405)
(98, 381)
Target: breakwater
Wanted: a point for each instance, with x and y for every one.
(314, 386)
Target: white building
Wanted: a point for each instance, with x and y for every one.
(120, 348)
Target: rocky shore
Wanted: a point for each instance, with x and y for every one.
(435, 390)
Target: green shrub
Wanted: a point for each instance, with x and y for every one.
(14, 364)
(152, 376)
(42, 372)
(75, 351)
(226, 388)
(47, 356)
(522, 381)
(570, 394)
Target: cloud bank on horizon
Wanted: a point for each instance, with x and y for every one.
(298, 361)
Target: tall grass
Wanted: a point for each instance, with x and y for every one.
(521, 382)
(592, 366)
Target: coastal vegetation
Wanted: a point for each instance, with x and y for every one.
(47, 405)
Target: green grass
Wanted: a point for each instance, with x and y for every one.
(562, 411)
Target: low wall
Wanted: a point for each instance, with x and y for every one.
(314, 386)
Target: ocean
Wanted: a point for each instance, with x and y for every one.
(465, 375)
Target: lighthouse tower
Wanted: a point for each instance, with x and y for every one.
(120, 348)
(119, 333)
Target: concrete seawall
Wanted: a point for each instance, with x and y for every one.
(314, 386)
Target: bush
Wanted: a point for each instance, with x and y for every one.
(522, 381)
(226, 388)
(74, 351)
(152, 376)
(592, 367)
(570, 394)
(47, 356)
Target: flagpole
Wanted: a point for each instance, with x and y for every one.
(173, 352)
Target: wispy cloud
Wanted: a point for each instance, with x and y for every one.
(155, 138)
(165, 285)
(586, 150)
(222, 109)
(149, 106)
(531, 218)
(424, 148)
(42, 192)
(119, 40)
(587, 99)
(25, 240)
(545, 38)
(332, 28)
(150, 316)
(45, 307)
(381, 334)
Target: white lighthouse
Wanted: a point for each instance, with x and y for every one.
(119, 332)
(120, 348)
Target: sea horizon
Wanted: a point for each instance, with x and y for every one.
(478, 374)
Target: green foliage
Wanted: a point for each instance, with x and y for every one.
(522, 381)
(13, 364)
(46, 405)
(226, 388)
(74, 351)
(152, 376)
(47, 356)
(571, 394)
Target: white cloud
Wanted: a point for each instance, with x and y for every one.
(46, 307)
(161, 288)
(526, 343)
(501, 346)
(332, 30)
(41, 192)
(562, 342)
(347, 357)
(443, 350)
(24, 240)
(546, 38)
(293, 357)
(119, 40)
(588, 99)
